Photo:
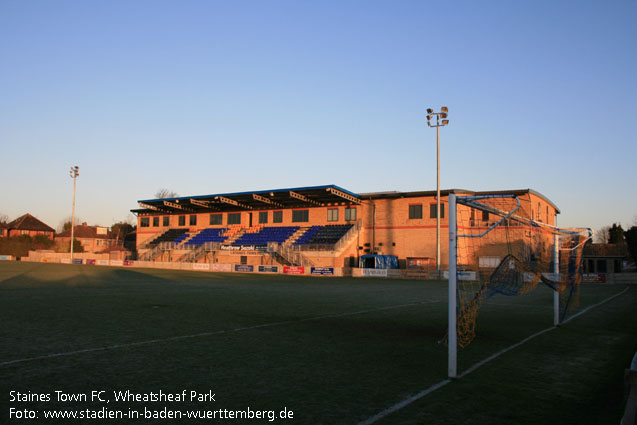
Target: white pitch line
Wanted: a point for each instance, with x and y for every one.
(441, 384)
(595, 305)
(205, 334)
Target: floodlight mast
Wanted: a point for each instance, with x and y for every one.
(74, 173)
(444, 111)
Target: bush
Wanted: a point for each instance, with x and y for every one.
(19, 246)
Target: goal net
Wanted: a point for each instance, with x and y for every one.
(503, 245)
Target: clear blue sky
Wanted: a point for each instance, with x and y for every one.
(205, 97)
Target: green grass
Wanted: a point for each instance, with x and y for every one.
(332, 350)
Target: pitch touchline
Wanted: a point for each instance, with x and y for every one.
(204, 334)
(441, 384)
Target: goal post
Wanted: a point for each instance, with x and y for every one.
(497, 246)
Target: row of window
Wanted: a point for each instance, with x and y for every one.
(298, 216)
(415, 211)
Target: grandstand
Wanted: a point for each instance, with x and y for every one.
(323, 226)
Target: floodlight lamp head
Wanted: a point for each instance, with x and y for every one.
(445, 122)
(444, 109)
(430, 111)
(443, 115)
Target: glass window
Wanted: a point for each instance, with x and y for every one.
(234, 218)
(350, 214)
(277, 216)
(332, 214)
(300, 216)
(155, 221)
(485, 215)
(415, 211)
(433, 208)
(166, 221)
(263, 217)
(216, 219)
(182, 220)
(193, 220)
(144, 222)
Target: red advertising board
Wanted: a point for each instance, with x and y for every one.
(293, 270)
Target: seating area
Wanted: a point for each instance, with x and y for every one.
(323, 235)
(265, 235)
(209, 235)
(170, 236)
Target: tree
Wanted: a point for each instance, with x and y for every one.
(165, 193)
(602, 235)
(4, 219)
(120, 229)
(65, 224)
(616, 234)
(631, 241)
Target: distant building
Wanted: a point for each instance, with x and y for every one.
(93, 238)
(26, 225)
(604, 258)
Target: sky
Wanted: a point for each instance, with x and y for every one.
(207, 97)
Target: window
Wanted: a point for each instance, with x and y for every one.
(277, 216)
(144, 222)
(350, 214)
(263, 217)
(155, 221)
(216, 219)
(485, 215)
(415, 211)
(182, 220)
(234, 218)
(193, 220)
(433, 208)
(166, 222)
(332, 214)
(300, 216)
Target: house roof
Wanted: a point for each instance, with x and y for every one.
(28, 222)
(86, 232)
(617, 250)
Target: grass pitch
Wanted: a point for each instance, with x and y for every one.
(330, 350)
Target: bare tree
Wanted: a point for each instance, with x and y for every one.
(65, 224)
(165, 193)
(4, 219)
(602, 235)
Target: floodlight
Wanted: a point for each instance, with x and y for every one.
(445, 122)
(444, 109)
(443, 115)
(429, 110)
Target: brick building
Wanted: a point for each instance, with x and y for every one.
(322, 225)
(92, 238)
(27, 225)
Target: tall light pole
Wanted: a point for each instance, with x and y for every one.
(439, 115)
(75, 171)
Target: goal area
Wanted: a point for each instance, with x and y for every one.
(496, 246)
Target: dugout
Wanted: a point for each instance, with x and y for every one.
(373, 261)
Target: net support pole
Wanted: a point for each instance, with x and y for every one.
(452, 318)
(556, 276)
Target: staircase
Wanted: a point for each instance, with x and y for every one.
(233, 234)
(289, 254)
